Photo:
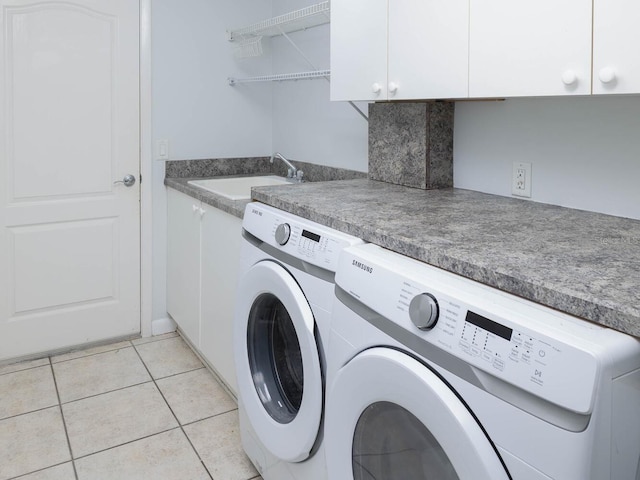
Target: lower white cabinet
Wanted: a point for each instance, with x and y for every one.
(202, 274)
(220, 235)
(183, 263)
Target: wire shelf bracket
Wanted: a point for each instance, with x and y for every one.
(282, 77)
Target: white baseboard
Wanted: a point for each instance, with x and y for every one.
(160, 326)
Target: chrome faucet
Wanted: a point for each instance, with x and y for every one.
(292, 172)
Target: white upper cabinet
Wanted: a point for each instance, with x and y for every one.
(448, 49)
(616, 39)
(399, 49)
(358, 49)
(428, 49)
(530, 48)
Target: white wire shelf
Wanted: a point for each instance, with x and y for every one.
(302, 19)
(282, 77)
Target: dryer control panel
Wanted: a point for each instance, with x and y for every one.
(296, 236)
(547, 353)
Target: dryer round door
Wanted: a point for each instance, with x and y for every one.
(277, 361)
(389, 417)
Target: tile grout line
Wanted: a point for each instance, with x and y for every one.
(90, 354)
(51, 362)
(25, 369)
(23, 475)
(179, 373)
(64, 422)
(113, 447)
(206, 418)
(173, 413)
(131, 344)
(31, 411)
(104, 393)
(146, 342)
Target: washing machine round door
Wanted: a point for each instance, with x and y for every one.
(389, 417)
(277, 361)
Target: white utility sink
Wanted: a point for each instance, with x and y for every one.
(238, 188)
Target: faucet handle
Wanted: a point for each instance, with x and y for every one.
(300, 176)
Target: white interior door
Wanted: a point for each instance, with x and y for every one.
(69, 238)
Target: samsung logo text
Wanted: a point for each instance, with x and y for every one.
(362, 266)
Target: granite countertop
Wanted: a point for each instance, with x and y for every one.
(582, 263)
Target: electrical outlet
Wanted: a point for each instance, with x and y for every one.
(521, 179)
(163, 149)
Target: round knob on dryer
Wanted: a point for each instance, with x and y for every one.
(376, 88)
(393, 87)
(607, 75)
(423, 311)
(569, 77)
(283, 232)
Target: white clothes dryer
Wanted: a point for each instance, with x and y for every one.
(431, 375)
(283, 309)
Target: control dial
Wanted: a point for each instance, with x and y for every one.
(283, 232)
(423, 311)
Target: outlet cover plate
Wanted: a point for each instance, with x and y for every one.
(521, 180)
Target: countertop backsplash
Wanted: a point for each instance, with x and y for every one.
(179, 172)
(218, 167)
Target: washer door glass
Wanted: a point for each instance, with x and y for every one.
(391, 443)
(275, 358)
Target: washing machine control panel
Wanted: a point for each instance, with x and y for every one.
(295, 236)
(505, 336)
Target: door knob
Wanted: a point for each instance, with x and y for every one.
(128, 180)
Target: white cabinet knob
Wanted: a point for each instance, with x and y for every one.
(569, 77)
(607, 75)
(393, 87)
(195, 208)
(202, 211)
(376, 88)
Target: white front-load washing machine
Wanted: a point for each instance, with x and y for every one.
(283, 309)
(434, 376)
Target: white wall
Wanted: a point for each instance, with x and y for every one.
(585, 152)
(193, 105)
(306, 125)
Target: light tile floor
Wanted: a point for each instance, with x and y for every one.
(133, 410)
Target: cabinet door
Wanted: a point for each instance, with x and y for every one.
(529, 48)
(183, 263)
(616, 37)
(428, 49)
(358, 49)
(221, 239)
